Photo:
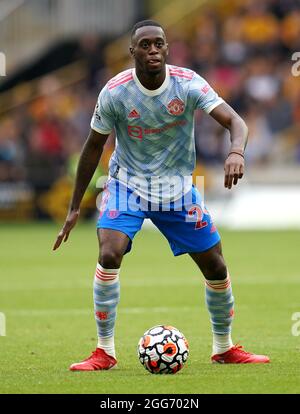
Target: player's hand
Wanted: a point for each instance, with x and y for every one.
(234, 169)
(70, 222)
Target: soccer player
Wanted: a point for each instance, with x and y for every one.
(151, 107)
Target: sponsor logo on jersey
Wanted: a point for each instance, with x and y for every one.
(174, 124)
(134, 114)
(205, 89)
(176, 107)
(135, 131)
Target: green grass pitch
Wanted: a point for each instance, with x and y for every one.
(47, 300)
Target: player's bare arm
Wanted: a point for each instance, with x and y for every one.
(234, 163)
(88, 161)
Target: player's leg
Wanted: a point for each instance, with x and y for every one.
(218, 295)
(116, 230)
(192, 231)
(112, 246)
(220, 303)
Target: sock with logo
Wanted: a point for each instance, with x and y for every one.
(220, 303)
(106, 299)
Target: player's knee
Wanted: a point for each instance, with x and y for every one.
(215, 269)
(110, 259)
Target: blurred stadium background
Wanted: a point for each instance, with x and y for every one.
(59, 53)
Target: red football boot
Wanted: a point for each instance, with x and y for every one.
(99, 360)
(236, 355)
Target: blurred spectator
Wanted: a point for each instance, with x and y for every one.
(261, 82)
(290, 30)
(259, 148)
(11, 152)
(234, 49)
(259, 26)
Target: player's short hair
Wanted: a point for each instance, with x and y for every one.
(143, 23)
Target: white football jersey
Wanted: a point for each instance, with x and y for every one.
(154, 129)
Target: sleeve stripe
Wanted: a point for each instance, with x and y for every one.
(214, 105)
(101, 131)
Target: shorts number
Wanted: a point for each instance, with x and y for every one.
(197, 212)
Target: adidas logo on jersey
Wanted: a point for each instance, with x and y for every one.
(134, 114)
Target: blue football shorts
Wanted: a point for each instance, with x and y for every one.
(187, 225)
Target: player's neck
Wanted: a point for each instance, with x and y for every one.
(151, 81)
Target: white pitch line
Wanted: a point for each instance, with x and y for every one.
(168, 282)
(72, 312)
(10, 286)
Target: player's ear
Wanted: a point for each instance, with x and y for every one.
(131, 50)
(167, 49)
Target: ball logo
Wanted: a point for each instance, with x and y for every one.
(176, 107)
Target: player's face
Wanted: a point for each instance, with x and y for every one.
(149, 49)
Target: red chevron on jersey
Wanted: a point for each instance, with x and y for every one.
(181, 73)
(120, 76)
(134, 114)
(120, 79)
(205, 88)
(124, 80)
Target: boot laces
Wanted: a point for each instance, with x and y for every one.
(239, 348)
(92, 356)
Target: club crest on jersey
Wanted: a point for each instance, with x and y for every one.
(176, 107)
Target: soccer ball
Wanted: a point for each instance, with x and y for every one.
(163, 349)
